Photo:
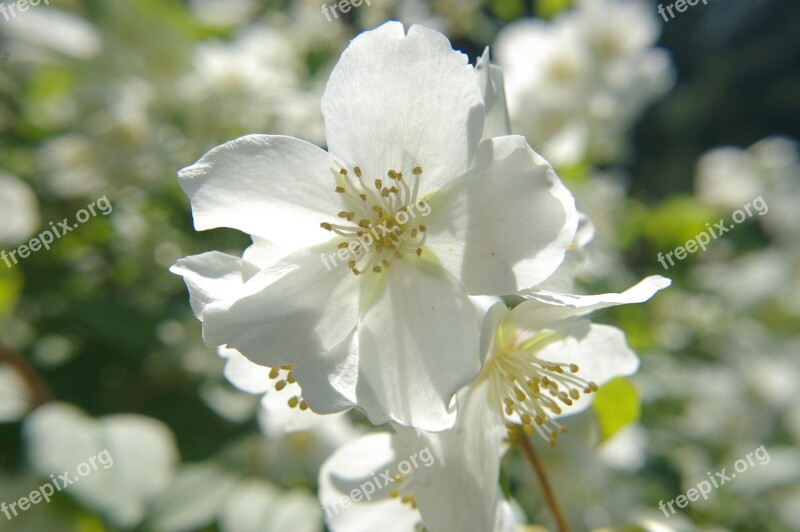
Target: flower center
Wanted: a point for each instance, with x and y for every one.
(383, 223)
(533, 390)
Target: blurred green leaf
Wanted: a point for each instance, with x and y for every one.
(10, 287)
(616, 405)
(507, 9)
(550, 8)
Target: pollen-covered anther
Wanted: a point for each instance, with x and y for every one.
(534, 390)
(384, 216)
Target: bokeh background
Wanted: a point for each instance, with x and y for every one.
(657, 127)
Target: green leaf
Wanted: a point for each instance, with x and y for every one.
(550, 8)
(10, 288)
(616, 405)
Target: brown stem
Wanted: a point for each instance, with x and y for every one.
(40, 394)
(549, 495)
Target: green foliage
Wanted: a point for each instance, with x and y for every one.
(550, 8)
(616, 405)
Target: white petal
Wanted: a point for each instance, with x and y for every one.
(133, 458)
(544, 308)
(491, 321)
(563, 279)
(506, 520)
(261, 255)
(210, 277)
(396, 101)
(459, 489)
(276, 187)
(350, 468)
(250, 508)
(418, 342)
(291, 311)
(506, 224)
(19, 210)
(497, 123)
(193, 498)
(601, 353)
(329, 383)
(298, 511)
(15, 396)
(277, 417)
(245, 375)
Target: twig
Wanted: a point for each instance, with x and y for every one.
(549, 496)
(40, 393)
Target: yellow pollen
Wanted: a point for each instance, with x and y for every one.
(374, 212)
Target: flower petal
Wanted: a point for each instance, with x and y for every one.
(504, 225)
(545, 308)
(329, 383)
(210, 277)
(397, 101)
(245, 375)
(352, 466)
(280, 188)
(497, 123)
(290, 311)
(418, 343)
(459, 489)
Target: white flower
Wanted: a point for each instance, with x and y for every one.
(543, 360)
(15, 396)
(19, 210)
(348, 478)
(577, 84)
(206, 493)
(731, 177)
(253, 81)
(390, 327)
(140, 458)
